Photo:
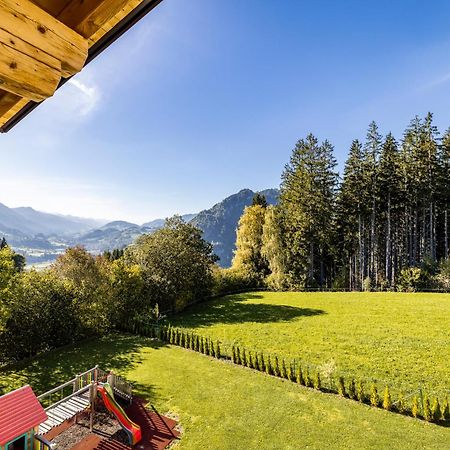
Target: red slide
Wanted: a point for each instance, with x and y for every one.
(134, 431)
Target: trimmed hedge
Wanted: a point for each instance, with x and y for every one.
(421, 406)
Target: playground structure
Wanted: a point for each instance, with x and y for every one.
(30, 422)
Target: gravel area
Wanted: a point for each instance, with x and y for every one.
(104, 425)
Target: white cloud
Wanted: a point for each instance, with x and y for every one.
(88, 96)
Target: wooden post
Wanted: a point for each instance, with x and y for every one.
(92, 396)
(96, 373)
(111, 379)
(76, 384)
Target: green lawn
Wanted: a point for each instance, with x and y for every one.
(222, 406)
(400, 339)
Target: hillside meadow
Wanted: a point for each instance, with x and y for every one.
(400, 339)
(223, 406)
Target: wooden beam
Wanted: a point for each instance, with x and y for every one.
(7, 101)
(22, 75)
(24, 47)
(14, 103)
(86, 18)
(30, 23)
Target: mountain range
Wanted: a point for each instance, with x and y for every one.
(41, 237)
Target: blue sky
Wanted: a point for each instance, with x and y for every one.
(206, 97)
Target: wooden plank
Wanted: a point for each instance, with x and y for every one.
(107, 26)
(87, 17)
(13, 110)
(25, 76)
(7, 101)
(32, 24)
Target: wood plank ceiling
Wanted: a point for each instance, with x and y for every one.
(43, 42)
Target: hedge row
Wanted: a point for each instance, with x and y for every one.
(418, 405)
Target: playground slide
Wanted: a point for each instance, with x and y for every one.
(133, 430)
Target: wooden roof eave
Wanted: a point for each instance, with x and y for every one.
(18, 107)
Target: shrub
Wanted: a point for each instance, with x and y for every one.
(276, 367)
(446, 411)
(367, 284)
(427, 409)
(415, 409)
(197, 344)
(284, 372)
(360, 392)
(341, 386)
(250, 360)
(307, 378)
(269, 369)
(291, 372)
(233, 355)
(401, 404)
(256, 362)
(374, 397)
(317, 381)
(238, 356)
(217, 352)
(299, 376)
(352, 389)
(410, 279)
(202, 345)
(262, 363)
(436, 411)
(387, 400)
(244, 358)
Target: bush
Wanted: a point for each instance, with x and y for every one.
(341, 386)
(427, 409)
(401, 404)
(352, 389)
(284, 372)
(307, 378)
(299, 376)
(415, 409)
(374, 397)
(410, 279)
(276, 367)
(446, 411)
(360, 392)
(317, 382)
(269, 369)
(262, 363)
(291, 372)
(367, 284)
(230, 280)
(244, 358)
(436, 411)
(233, 355)
(387, 401)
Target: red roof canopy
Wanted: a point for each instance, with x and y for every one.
(20, 411)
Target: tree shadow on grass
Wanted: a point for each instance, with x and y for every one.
(114, 352)
(234, 309)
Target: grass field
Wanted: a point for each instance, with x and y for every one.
(396, 338)
(222, 406)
